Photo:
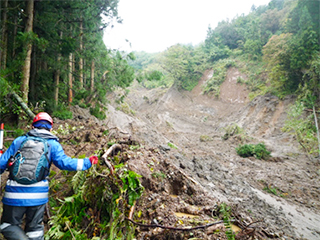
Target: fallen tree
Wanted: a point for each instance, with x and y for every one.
(23, 105)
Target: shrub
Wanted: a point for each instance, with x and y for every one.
(63, 115)
(98, 113)
(62, 112)
(246, 150)
(95, 207)
(258, 151)
(232, 130)
(261, 152)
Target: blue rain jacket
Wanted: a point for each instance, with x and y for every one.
(17, 194)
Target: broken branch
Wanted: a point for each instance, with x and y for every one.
(110, 151)
(174, 228)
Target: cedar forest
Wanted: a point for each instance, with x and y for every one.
(52, 56)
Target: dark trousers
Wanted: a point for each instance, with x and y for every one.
(12, 219)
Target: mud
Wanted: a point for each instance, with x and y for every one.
(195, 124)
(188, 169)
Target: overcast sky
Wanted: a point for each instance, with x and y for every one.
(155, 25)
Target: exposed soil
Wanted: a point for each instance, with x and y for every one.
(184, 186)
(196, 124)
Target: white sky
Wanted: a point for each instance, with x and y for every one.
(155, 25)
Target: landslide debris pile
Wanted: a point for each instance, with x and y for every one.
(171, 201)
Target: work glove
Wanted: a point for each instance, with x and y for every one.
(93, 159)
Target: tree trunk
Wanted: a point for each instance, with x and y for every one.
(15, 31)
(92, 76)
(81, 59)
(27, 61)
(57, 77)
(33, 73)
(70, 78)
(56, 81)
(73, 66)
(4, 35)
(84, 75)
(23, 105)
(316, 122)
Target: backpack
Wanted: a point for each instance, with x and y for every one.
(31, 163)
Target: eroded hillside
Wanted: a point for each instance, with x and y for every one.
(175, 141)
(283, 191)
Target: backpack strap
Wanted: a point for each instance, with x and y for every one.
(18, 142)
(48, 154)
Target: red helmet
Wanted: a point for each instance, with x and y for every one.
(43, 116)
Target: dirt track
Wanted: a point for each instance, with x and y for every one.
(195, 124)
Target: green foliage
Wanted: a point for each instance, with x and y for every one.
(153, 76)
(142, 60)
(288, 55)
(164, 83)
(220, 68)
(271, 190)
(233, 130)
(205, 138)
(97, 207)
(55, 36)
(98, 111)
(160, 175)
(65, 129)
(5, 88)
(226, 211)
(125, 107)
(227, 32)
(253, 48)
(246, 150)
(181, 64)
(14, 133)
(8, 106)
(121, 74)
(291, 43)
(214, 48)
(270, 23)
(310, 88)
(293, 23)
(62, 112)
(171, 145)
(258, 151)
(302, 127)
(134, 147)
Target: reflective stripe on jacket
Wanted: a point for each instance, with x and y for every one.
(36, 194)
(17, 194)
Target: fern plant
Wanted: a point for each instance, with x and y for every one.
(98, 206)
(226, 211)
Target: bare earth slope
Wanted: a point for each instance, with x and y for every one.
(196, 123)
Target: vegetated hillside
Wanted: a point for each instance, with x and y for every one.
(280, 193)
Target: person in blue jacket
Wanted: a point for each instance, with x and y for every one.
(29, 200)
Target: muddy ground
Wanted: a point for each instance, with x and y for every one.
(188, 169)
(282, 192)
